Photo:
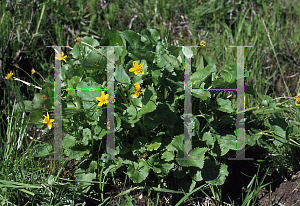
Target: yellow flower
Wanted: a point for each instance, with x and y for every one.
(297, 99)
(137, 68)
(103, 99)
(32, 71)
(108, 125)
(203, 43)
(9, 75)
(60, 56)
(48, 121)
(78, 40)
(137, 90)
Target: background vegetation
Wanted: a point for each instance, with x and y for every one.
(27, 27)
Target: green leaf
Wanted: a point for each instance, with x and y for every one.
(121, 75)
(84, 177)
(68, 141)
(159, 50)
(197, 154)
(72, 84)
(153, 146)
(225, 105)
(37, 101)
(84, 49)
(133, 39)
(99, 132)
(172, 60)
(141, 54)
(226, 143)
(229, 73)
(209, 61)
(41, 150)
(130, 115)
(96, 61)
(213, 172)
(160, 61)
(115, 39)
(209, 138)
(77, 152)
(168, 156)
(201, 75)
(35, 116)
(89, 90)
(152, 35)
(87, 136)
(221, 83)
(138, 172)
(28, 106)
(202, 94)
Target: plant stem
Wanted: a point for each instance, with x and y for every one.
(29, 84)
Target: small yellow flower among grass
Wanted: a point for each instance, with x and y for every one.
(103, 99)
(60, 56)
(297, 99)
(78, 40)
(9, 75)
(137, 90)
(203, 43)
(48, 121)
(137, 68)
(32, 71)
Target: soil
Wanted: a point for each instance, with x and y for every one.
(288, 194)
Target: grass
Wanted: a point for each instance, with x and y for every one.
(271, 27)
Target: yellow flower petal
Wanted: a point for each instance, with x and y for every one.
(203, 43)
(137, 68)
(78, 39)
(9, 75)
(60, 56)
(48, 121)
(137, 90)
(103, 99)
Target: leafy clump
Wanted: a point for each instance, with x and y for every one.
(148, 97)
